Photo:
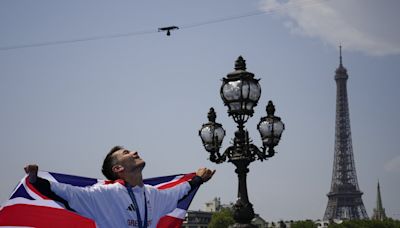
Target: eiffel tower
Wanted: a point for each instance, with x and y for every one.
(344, 198)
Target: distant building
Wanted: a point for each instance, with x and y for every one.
(214, 205)
(197, 219)
(259, 222)
(201, 219)
(379, 211)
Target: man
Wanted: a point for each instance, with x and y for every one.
(126, 201)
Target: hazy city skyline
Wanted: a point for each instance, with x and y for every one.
(78, 77)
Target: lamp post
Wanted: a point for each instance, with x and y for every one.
(240, 92)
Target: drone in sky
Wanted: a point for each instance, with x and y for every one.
(168, 29)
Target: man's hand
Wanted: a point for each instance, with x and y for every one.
(32, 171)
(205, 174)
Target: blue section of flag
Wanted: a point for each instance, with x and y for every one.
(21, 192)
(185, 201)
(74, 180)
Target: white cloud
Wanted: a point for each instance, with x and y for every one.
(393, 165)
(368, 26)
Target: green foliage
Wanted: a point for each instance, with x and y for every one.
(303, 224)
(222, 219)
(388, 223)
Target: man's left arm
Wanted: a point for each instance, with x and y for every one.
(169, 198)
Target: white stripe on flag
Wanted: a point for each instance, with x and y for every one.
(38, 202)
(178, 213)
(176, 179)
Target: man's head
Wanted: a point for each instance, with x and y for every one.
(119, 161)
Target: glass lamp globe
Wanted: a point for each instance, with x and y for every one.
(270, 127)
(212, 133)
(240, 91)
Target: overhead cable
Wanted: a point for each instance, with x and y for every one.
(187, 26)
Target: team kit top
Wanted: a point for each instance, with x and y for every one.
(119, 205)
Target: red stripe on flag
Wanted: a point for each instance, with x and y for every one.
(169, 222)
(33, 189)
(183, 179)
(43, 217)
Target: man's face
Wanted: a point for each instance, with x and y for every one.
(130, 160)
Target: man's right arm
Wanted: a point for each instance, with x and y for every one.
(43, 185)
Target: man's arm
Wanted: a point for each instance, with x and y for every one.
(74, 198)
(202, 175)
(168, 198)
(32, 171)
(43, 185)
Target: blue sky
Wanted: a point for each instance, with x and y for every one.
(64, 106)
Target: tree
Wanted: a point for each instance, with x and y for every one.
(222, 219)
(303, 224)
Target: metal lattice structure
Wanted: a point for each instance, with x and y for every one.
(344, 198)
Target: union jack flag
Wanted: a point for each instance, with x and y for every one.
(27, 207)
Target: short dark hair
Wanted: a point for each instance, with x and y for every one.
(108, 163)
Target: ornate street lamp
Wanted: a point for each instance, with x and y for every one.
(240, 91)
